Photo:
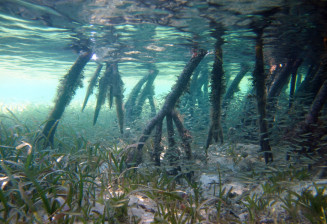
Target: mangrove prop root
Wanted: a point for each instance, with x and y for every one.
(193, 91)
(305, 94)
(157, 144)
(292, 89)
(103, 88)
(184, 134)
(152, 105)
(298, 82)
(217, 90)
(117, 92)
(305, 87)
(233, 88)
(259, 79)
(110, 96)
(283, 77)
(170, 131)
(320, 76)
(277, 86)
(130, 103)
(307, 133)
(68, 86)
(172, 153)
(171, 99)
(319, 101)
(120, 112)
(146, 91)
(202, 95)
(92, 84)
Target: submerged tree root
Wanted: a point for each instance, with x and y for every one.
(69, 84)
(217, 90)
(110, 85)
(259, 79)
(92, 84)
(169, 105)
(137, 97)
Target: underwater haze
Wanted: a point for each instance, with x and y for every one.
(167, 111)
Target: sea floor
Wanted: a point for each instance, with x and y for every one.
(83, 181)
(239, 187)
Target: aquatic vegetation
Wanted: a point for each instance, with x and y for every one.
(58, 185)
(311, 202)
(256, 206)
(82, 181)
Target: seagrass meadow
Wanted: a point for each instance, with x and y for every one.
(177, 111)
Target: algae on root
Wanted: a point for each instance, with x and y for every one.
(68, 86)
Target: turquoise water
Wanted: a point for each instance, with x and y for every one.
(180, 149)
(40, 41)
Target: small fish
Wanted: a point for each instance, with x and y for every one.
(27, 145)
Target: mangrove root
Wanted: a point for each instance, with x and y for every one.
(157, 144)
(184, 134)
(170, 102)
(280, 81)
(217, 90)
(292, 88)
(92, 84)
(319, 101)
(172, 153)
(259, 79)
(68, 86)
(130, 103)
(233, 88)
(116, 91)
(137, 97)
(103, 89)
(111, 85)
(147, 92)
